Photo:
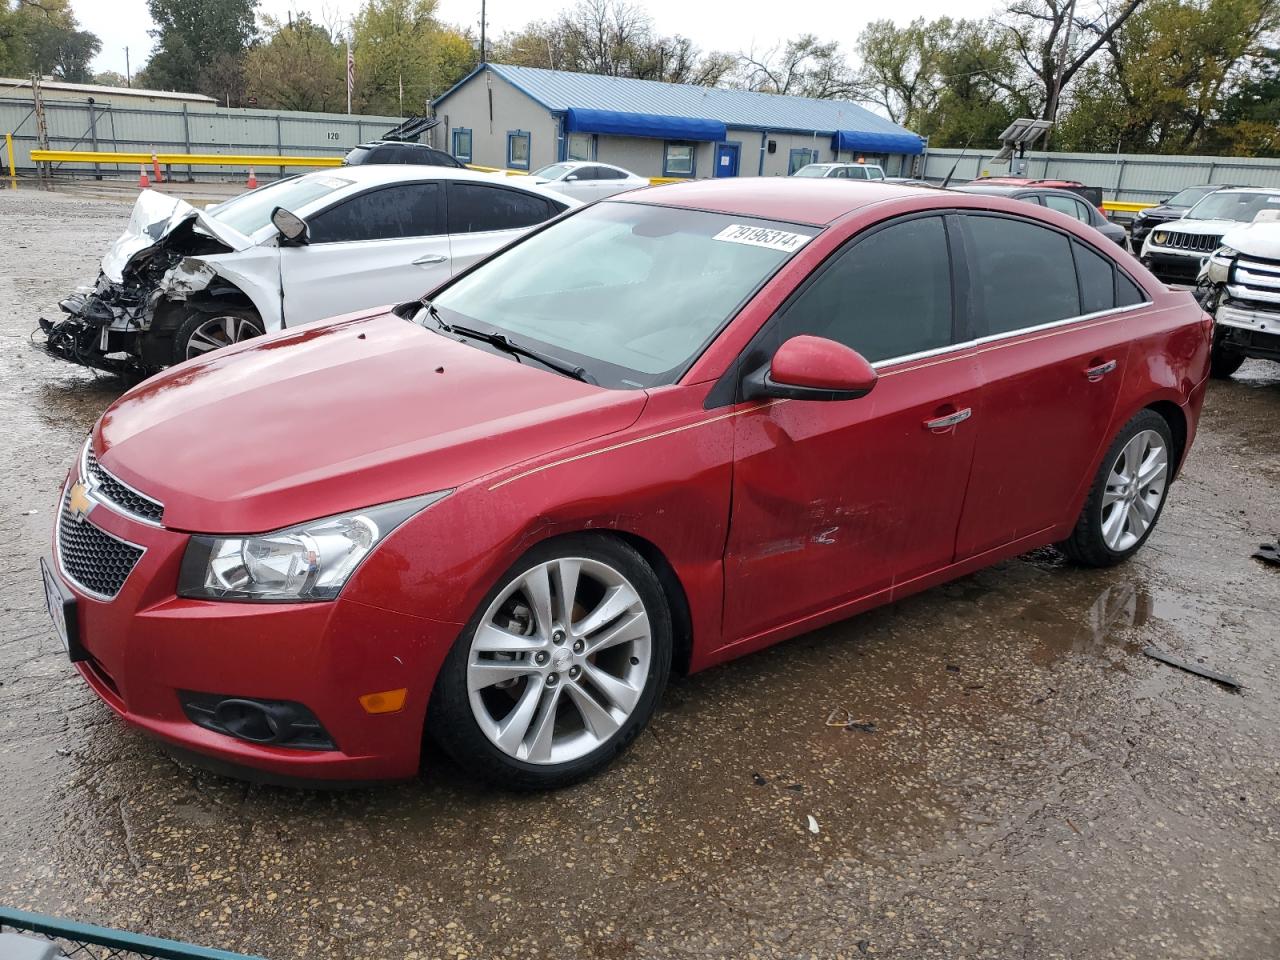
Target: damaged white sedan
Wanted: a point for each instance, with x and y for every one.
(180, 282)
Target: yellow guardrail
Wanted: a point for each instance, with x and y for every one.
(1118, 206)
(183, 159)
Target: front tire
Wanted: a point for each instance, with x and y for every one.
(1223, 361)
(202, 333)
(1127, 496)
(560, 668)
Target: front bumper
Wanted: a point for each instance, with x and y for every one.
(145, 645)
(1174, 266)
(1255, 333)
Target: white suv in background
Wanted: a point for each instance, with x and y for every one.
(842, 171)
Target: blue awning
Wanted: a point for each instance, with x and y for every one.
(653, 125)
(853, 141)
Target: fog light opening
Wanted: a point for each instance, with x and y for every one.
(247, 720)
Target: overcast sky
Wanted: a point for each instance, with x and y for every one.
(712, 24)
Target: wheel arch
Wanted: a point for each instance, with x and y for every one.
(1176, 418)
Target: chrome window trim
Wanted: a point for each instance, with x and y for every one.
(87, 479)
(1008, 335)
(57, 552)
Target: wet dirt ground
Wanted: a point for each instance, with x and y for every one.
(1024, 781)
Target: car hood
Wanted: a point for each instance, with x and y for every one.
(337, 415)
(1201, 226)
(155, 216)
(1255, 240)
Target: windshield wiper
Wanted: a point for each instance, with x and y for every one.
(505, 343)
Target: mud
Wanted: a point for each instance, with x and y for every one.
(1018, 779)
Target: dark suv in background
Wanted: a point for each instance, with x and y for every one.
(397, 151)
(1170, 208)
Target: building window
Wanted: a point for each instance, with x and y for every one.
(677, 160)
(582, 146)
(518, 149)
(462, 144)
(801, 158)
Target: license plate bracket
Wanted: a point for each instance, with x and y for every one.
(64, 611)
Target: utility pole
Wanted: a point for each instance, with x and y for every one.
(42, 128)
(483, 58)
(128, 77)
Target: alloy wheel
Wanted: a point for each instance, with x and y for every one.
(1134, 490)
(559, 660)
(218, 332)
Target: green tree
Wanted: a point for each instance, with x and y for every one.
(299, 67)
(200, 46)
(43, 36)
(1249, 124)
(405, 56)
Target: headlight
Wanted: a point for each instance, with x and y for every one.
(311, 561)
(1160, 236)
(1225, 253)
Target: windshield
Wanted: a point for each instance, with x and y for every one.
(631, 292)
(1241, 207)
(250, 212)
(812, 170)
(552, 172)
(1190, 196)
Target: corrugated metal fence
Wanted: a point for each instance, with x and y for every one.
(181, 128)
(1128, 177)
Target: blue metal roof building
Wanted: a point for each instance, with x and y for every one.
(555, 115)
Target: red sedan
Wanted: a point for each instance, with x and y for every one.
(658, 433)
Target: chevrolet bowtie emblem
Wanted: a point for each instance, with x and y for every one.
(79, 503)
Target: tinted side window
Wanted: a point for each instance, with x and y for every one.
(1128, 293)
(1068, 205)
(477, 207)
(887, 295)
(406, 210)
(1022, 274)
(609, 173)
(1097, 286)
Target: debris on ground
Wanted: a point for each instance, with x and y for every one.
(840, 717)
(757, 779)
(813, 824)
(1156, 653)
(1268, 553)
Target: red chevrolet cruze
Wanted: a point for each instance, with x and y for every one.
(661, 432)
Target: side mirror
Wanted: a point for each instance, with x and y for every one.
(291, 226)
(570, 178)
(812, 368)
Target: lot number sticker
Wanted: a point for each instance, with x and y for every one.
(762, 237)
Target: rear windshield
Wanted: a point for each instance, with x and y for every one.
(812, 170)
(1241, 207)
(250, 212)
(631, 292)
(1190, 196)
(357, 155)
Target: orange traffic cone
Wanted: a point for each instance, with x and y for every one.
(252, 183)
(155, 165)
(143, 182)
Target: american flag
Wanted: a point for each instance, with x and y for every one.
(351, 74)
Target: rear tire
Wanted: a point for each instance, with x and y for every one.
(202, 332)
(1128, 494)
(539, 692)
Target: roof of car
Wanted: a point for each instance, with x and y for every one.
(1268, 190)
(373, 174)
(400, 143)
(1000, 190)
(806, 200)
(1026, 182)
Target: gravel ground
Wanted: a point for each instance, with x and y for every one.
(1032, 786)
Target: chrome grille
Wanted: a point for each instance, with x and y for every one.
(110, 490)
(1255, 280)
(93, 559)
(1199, 242)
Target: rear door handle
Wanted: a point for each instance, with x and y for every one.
(430, 258)
(949, 421)
(1101, 370)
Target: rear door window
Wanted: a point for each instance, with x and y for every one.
(886, 295)
(388, 213)
(1068, 205)
(1128, 293)
(1021, 274)
(479, 208)
(1097, 282)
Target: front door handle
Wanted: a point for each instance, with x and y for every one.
(1101, 370)
(939, 424)
(430, 258)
